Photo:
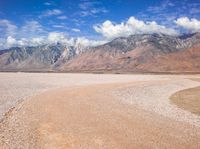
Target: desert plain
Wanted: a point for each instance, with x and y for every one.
(99, 111)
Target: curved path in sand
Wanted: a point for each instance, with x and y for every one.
(103, 116)
(188, 99)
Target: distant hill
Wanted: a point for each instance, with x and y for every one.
(136, 53)
(187, 60)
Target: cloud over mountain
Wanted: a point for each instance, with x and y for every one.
(33, 33)
(131, 26)
(50, 38)
(192, 25)
(33, 21)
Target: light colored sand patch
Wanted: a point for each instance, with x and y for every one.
(154, 97)
(85, 115)
(91, 118)
(16, 87)
(188, 99)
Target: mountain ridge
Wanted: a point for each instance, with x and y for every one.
(131, 54)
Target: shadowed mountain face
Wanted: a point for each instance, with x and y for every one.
(41, 58)
(136, 53)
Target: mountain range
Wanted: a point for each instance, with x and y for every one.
(136, 53)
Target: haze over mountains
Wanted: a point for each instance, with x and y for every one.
(136, 53)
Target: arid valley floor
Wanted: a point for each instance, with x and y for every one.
(103, 111)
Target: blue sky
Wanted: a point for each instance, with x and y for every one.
(94, 19)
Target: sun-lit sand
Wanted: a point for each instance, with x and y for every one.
(188, 99)
(95, 111)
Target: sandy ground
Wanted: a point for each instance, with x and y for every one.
(97, 111)
(154, 97)
(16, 87)
(188, 99)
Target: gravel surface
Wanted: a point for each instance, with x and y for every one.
(71, 111)
(16, 87)
(154, 97)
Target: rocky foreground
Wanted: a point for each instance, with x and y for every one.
(99, 111)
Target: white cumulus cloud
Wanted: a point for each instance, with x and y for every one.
(11, 41)
(37, 41)
(131, 26)
(192, 25)
(61, 37)
(86, 42)
(54, 37)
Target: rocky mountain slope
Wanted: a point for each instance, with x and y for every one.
(136, 53)
(133, 54)
(181, 61)
(41, 58)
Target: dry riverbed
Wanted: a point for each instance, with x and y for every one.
(95, 111)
